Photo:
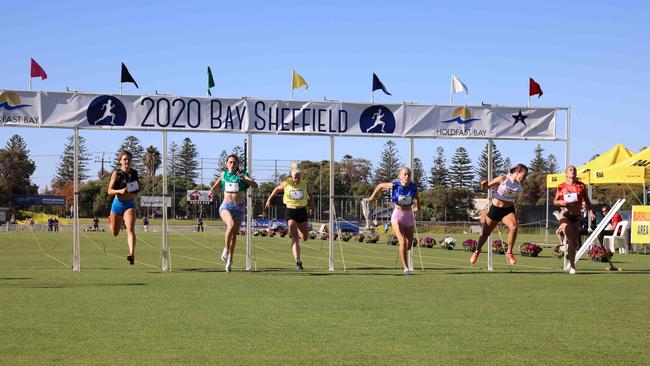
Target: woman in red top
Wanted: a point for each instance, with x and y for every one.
(570, 196)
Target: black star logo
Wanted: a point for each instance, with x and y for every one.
(519, 118)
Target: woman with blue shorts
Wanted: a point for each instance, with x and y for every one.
(234, 183)
(124, 184)
(405, 197)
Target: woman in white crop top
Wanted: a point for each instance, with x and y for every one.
(502, 208)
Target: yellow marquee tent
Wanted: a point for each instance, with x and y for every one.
(617, 154)
(632, 171)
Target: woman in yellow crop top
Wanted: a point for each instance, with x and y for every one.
(295, 197)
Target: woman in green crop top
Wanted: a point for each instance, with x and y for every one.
(234, 183)
(295, 197)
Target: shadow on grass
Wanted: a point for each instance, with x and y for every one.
(78, 285)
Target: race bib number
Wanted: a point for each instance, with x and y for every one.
(571, 197)
(404, 200)
(232, 187)
(132, 186)
(296, 194)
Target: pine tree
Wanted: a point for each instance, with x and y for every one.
(551, 164)
(65, 168)
(239, 152)
(460, 172)
(419, 176)
(387, 169)
(16, 169)
(152, 160)
(221, 164)
(439, 172)
(132, 145)
(538, 164)
(188, 163)
(497, 162)
(505, 168)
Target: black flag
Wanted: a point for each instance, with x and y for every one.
(126, 76)
(377, 84)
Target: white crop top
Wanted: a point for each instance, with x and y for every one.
(507, 191)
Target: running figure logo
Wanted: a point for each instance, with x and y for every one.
(377, 119)
(106, 110)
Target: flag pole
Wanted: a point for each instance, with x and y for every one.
(120, 88)
(529, 99)
(30, 83)
(372, 97)
(451, 90)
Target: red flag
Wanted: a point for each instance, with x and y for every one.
(534, 88)
(37, 71)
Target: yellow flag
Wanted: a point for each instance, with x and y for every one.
(297, 81)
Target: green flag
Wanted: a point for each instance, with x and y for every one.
(210, 81)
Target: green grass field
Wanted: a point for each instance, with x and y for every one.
(112, 313)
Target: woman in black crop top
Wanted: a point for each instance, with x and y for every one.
(124, 184)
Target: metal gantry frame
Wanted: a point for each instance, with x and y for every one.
(165, 255)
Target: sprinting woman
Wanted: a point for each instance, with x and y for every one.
(405, 197)
(502, 209)
(124, 184)
(570, 196)
(296, 196)
(234, 183)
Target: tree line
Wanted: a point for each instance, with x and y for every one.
(447, 190)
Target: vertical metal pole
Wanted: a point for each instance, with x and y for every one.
(490, 259)
(566, 143)
(411, 165)
(76, 267)
(331, 210)
(165, 262)
(451, 90)
(547, 209)
(249, 202)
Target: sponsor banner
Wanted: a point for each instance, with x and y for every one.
(155, 201)
(157, 112)
(39, 200)
(640, 225)
(197, 197)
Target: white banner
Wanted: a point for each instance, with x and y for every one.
(197, 197)
(155, 201)
(156, 112)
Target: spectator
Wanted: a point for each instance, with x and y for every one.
(609, 229)
(199, 223)
(96, 224)
(145, 223)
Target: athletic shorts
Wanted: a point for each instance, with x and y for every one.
(404, 218)
(236, 210)
(298, 215)
(119, 207)
(498, 213)
(572, 218)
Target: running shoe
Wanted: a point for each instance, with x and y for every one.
(406, 272)
(474, 257)
(224, 255)
(299, 266)
(511, 259)
(572, 271)
(229, 266)
(131, 259)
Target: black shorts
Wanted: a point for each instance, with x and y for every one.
(572, 218)
(299, 215)
(498, 213)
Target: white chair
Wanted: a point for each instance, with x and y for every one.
(620, 234)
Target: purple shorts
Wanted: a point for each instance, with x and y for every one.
(404, 218)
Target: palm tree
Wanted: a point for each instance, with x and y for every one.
(152, 160)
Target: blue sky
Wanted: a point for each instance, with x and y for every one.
(591, 56)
